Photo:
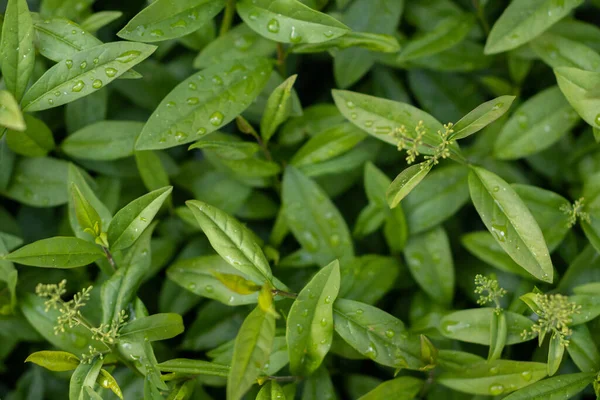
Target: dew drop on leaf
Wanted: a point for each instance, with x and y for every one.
(97, 84)
(273, 26)
(157, 33)
(128, 56)
(77, 87)
(110, 72)
(216, 118)
(496, 390)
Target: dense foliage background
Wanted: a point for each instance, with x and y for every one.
(299, 199)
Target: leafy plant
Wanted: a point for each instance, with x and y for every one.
(299, 199)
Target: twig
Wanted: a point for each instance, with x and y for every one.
(228, 17)
(110, 258)
(281, 293)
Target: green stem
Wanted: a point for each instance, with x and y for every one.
(281, 56)
(228, 17)
(481, 16)
(282, 293)
(283, 378)
(110, 258)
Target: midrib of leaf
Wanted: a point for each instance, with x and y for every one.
(57, 37)
(255, 338)
(497, 204)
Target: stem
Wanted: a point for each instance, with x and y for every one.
(110, 258)
(481, 16)
(284, 378)
(281, 293)
(427, 386)
(281, 56)
(263, 147)
(228, 17)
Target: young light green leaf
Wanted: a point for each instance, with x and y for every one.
(10, 113)
(194, 367)
(558, 51)
(152, 328)
(498, 335)
(251, 352)
(166, 19)
(233, 241)
(86, 214)
(430, 263)
(494, 378)
(406, 181)
(561, 386)
(439, 196)
(271, 391)
(365, 40)
(481, 117)
(204, 102)
(507, 217)
(537, 124)
(99, 20)
(84, 73)
(35, 141)
(239, 43)
(556, 349)
(523, 21)
(84, 376)
(54, 360)
(107, 381)
(328, 144)
(16, 47)
(131, 221)
(580, 89)
(9, 275)
(402, 388)
(289, 21)
(326, 237)
(445, 35)
(473, 326)
(57, 252)
(104, 140)
(376, 334)
(277, 109)
(310, 321)
(381, 118)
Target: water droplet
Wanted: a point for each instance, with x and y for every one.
(310, 241)
(527, 375)
(69, 63)
(359, 311)
(496, 188)
(243, 42)
(350, 104)
(201, 131)
(597, 120)
(327, 299)
(216, 118)
(73, 32)
(334, 240)
(390, 333)
(493, 370)
(96, 60)
(496, 390)
(499, 232)
(192, 286)
(83, 65)
(354, 115)
(253, 16)
(497, 106)
(143, 219)
(368, 123)
(299, 328)
(192, 86)
(328, 34)
(323, 322)
(179, 24)
(371, 352)
(192, 100)
(157, 33)
(78, 86)
(522, 120)
(170, 104)
(50, 101)
(273, 26)
(181, 136)
(209, 288)
(295, 36)
(217, 80)
(128, 56)
(110, 72)
(57, 93)
(304, 312)
(97, 84)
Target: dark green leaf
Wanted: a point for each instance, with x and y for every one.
(57, 252)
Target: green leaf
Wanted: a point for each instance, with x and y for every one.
(152, 328)
(364, 40)
(166, 19)
(10, 113)
(583, 350)
(251, 352)
(445, 35)
(405, 182)
(498, 335)
(16, 47)
(71, 9)
(473, 326)
(556, 349)
(84, 73)
(9, 275)
(580, 89)
(523, 21)
(277, 109)
(99, 20)
(402, 388)
(35, 141)
(508, 219)
(59, 38)
(54, 360)
(376, 334)
(484, 246)
(107, 381)
(439, 196)
(381, 118)
(536, 125)
(131, 221)
(198, 276)
(481, 117)
(226, 148)
(204, 102)
(314, 220)
(494, 378)
(319, 386)
(561, 386)
(84, 376)
(239, 43)
(233, 241)
(85, 213)
(328, 144)
(57, 252)
(309, 330)
(368, 278)
(558, 51)
(194, 367)
(289, 21)
(430, 263)
(271, 391)
(152, 171)
(103, 140)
